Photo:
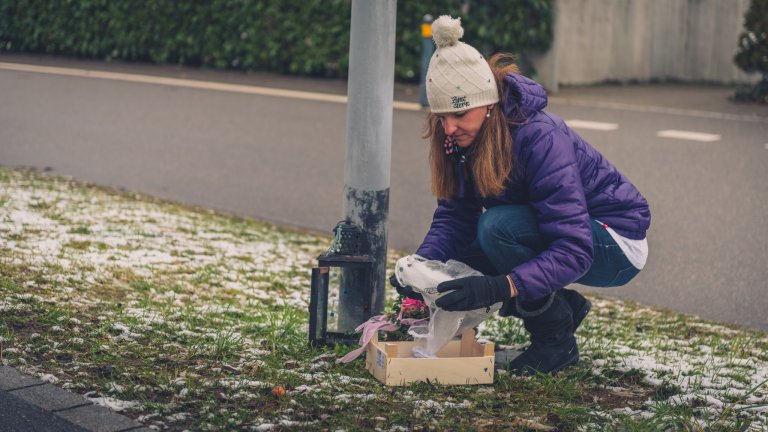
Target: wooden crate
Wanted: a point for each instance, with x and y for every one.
(462, 362)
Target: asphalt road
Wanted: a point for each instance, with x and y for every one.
(281, 159)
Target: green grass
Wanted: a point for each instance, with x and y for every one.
(195, 317)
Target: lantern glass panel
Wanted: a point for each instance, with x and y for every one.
(334, 286)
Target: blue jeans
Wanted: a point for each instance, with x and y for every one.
(509, 236)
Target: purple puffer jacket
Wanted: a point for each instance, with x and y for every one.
(564, 180)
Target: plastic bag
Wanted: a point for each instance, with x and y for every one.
(423, 276)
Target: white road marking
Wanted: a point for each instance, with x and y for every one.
(593, 125)
(187, 83)
(408, 106)
(688, 135)
(658, 109)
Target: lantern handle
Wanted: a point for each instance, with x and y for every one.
(346, 239)
(336, 244)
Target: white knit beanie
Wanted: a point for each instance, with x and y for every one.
(458, 77)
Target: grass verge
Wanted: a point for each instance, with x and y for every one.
(187, 320)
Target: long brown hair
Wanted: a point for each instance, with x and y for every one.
(489, 158)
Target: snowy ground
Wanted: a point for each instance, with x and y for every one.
(185, 319)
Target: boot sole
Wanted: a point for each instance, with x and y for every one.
(530, 371)
(571, 362)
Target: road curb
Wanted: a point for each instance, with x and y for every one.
(48, 404)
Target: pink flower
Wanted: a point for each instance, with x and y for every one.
(410, 306)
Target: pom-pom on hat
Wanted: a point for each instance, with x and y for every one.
(458, 78)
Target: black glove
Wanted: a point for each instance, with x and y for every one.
(405, 291)
(473, 292)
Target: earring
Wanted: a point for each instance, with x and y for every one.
(488, 114)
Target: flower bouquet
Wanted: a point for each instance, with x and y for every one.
(405, 312)
(392, 326)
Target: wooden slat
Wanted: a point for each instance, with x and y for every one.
(467, 343)
(391, 350)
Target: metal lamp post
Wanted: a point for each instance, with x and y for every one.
(368, 158)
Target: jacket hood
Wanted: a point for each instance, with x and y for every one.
(523, 97)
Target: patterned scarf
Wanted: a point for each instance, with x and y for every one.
(450, 145)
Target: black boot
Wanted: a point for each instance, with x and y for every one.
(580, 306)
(553, 346)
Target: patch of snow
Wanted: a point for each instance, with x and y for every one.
(49, 378)
(115, 388)
(177, 417)
(237, 384)
(115, 404)
(347, 397)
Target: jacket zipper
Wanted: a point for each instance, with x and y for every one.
(462, 171)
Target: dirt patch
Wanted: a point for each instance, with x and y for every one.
(618, 397)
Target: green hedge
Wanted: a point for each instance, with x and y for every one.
(752, 55)
(309, 37)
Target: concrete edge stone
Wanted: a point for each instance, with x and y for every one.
(70, 407)
(50, 397)
(18, 415)
(12, 379)
(99, 419)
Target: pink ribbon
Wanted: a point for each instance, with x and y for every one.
(414, 321)
(370, 327)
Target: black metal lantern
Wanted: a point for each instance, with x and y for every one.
(341, 294)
